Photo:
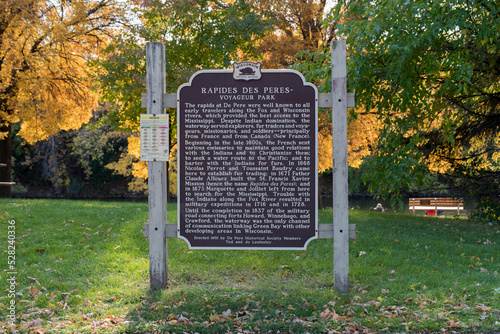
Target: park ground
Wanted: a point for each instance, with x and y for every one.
(83, 267)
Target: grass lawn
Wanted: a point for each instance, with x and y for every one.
(82, 266)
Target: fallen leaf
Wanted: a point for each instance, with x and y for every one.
(34, 323)
(483, 308)
(324, 315)
(327, 314)
(34, 292)
(184, 319)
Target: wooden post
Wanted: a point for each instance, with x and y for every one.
(157, 171)
(340, 191)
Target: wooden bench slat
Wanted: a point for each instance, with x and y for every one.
(439, 207)
(436, 203)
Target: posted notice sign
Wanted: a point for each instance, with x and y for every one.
(247, 159)
(155, 142)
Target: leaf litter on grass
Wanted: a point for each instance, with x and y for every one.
(95, 290)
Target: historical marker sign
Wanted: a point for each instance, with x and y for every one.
(247, 161)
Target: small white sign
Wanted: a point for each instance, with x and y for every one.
(247, 70)
(155, 140)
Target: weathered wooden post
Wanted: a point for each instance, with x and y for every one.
(239, 87)
(340, 191)
(157, 171)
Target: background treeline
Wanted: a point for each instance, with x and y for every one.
(71, 164)
(81, 164)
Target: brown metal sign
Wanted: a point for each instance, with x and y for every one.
(247, 159)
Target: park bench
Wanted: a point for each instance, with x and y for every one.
(435, 204)
(6, 183)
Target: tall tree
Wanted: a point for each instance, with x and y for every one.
(44, 49)
(431, 70)
(301, 40)
(298, 26)
(198, 34)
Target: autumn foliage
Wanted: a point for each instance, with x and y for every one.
(45, 47)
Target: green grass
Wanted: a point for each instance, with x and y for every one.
(83, 267)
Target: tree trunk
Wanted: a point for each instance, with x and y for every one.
(5, 162)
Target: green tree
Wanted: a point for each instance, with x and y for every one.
(431, 71)
(197, 34)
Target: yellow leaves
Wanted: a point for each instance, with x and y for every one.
(325, 150)
(48, 104)
(139, 168)
(134, 145)
(122, 166)
(138, 185)
(44, 51)
(437, 165)
(129, 165)
(362, 134)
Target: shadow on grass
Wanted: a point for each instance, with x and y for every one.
(234, 305)
(84, 265)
